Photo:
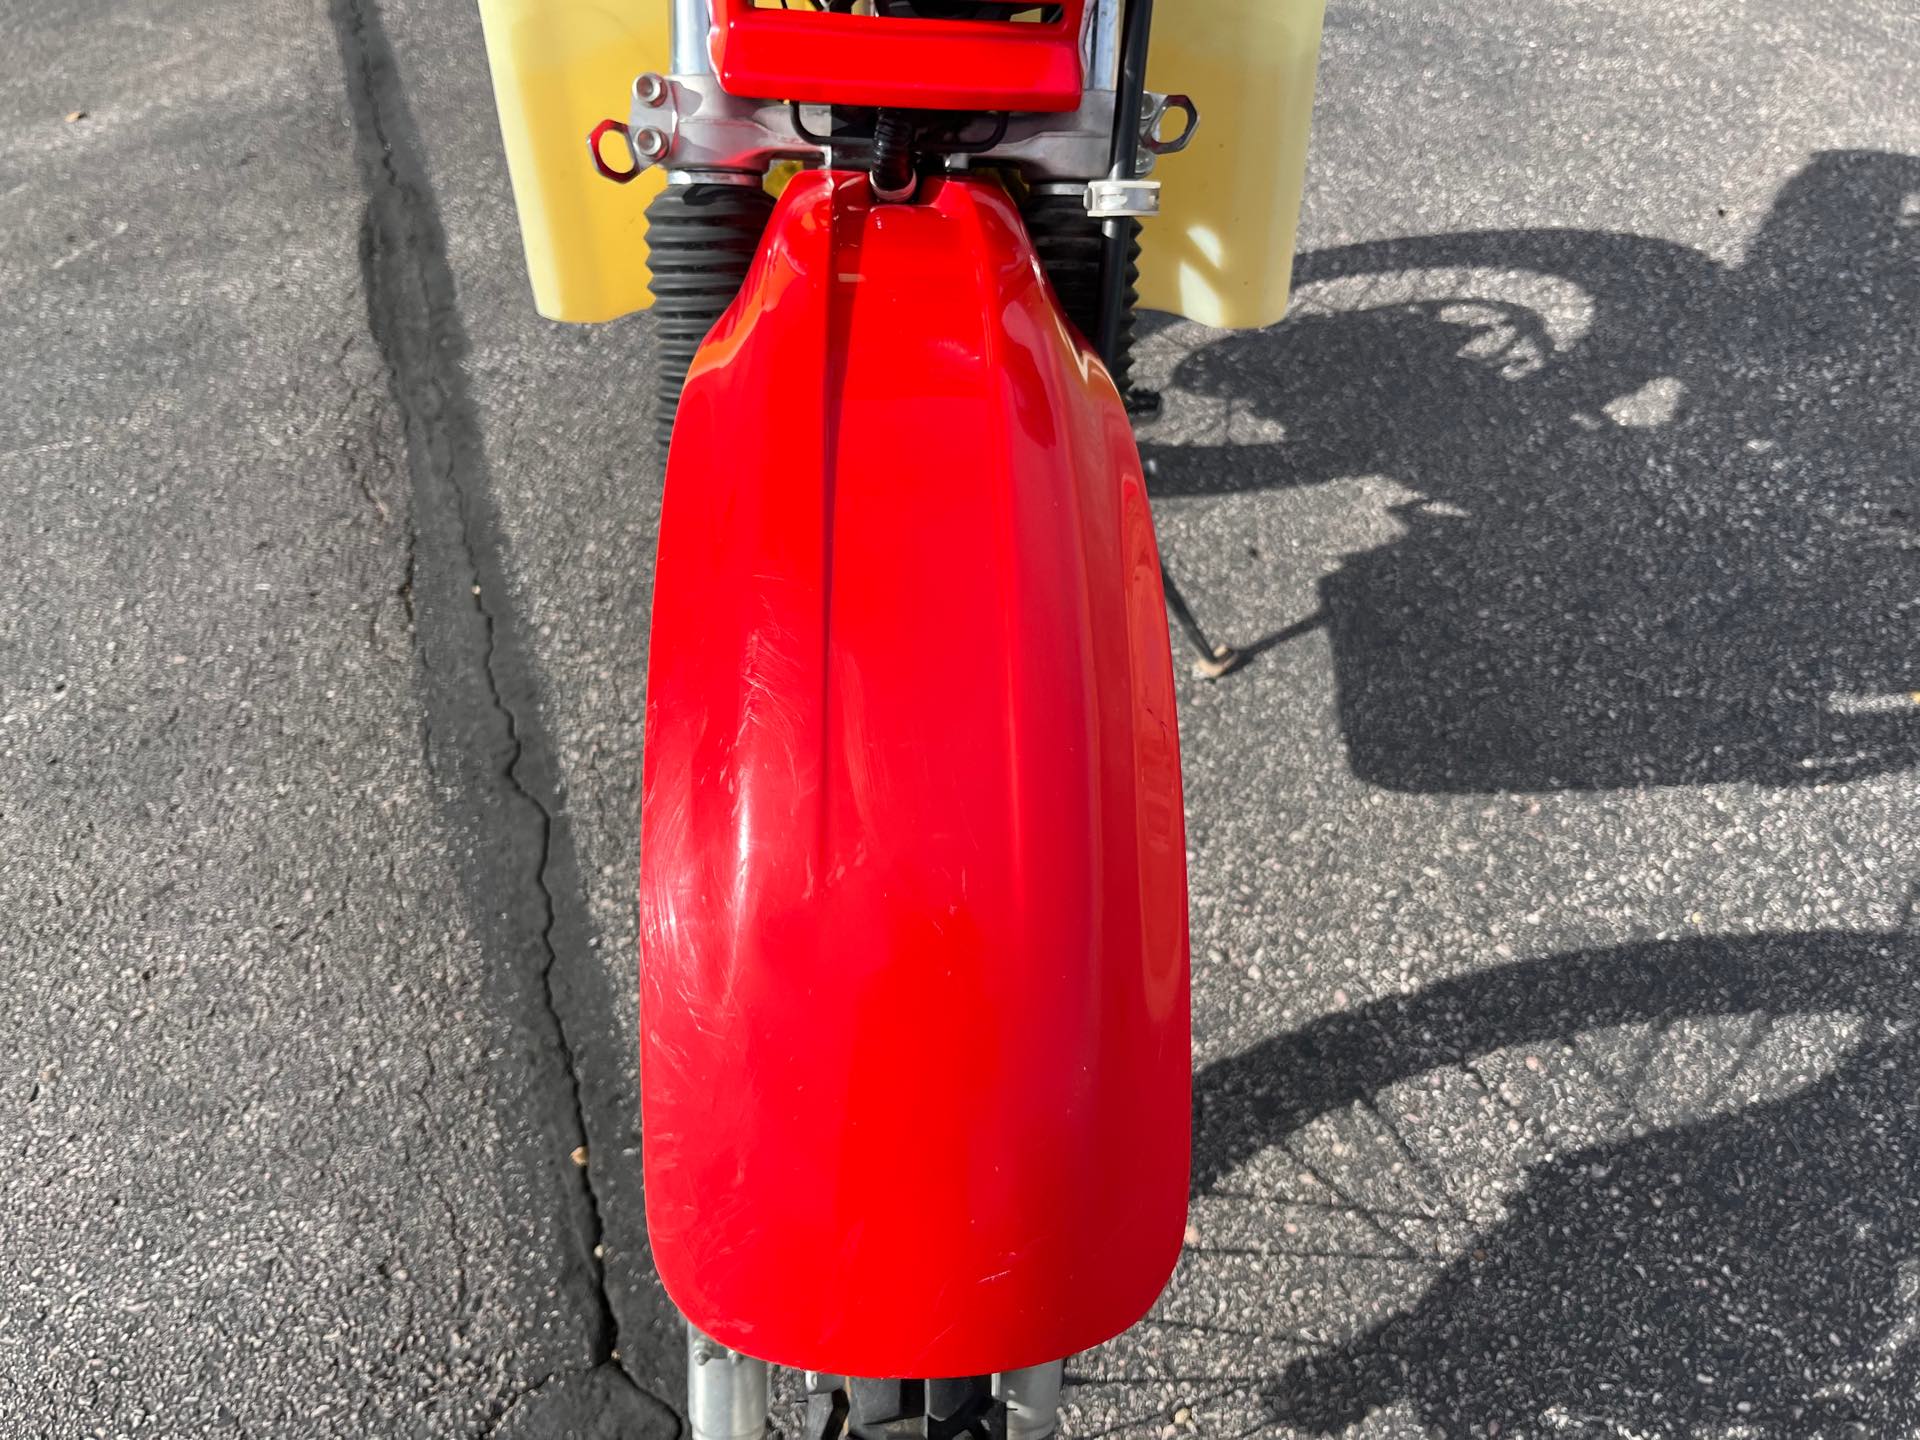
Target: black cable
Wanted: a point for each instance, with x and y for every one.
(957, 146)
(800, 127)
(892, 153)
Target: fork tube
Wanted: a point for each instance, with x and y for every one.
(1103, 44)
(692, 25)
(728, 1394)
(1032, 1398)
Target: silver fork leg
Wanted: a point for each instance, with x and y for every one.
(1032, 1397)
(728, 1393)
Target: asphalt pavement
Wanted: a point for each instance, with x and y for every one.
(1553, 858)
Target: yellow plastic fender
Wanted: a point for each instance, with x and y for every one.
(558, 70)
(1221, 250)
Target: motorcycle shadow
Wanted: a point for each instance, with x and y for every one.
(1657, 528)
(1754, 1272)
(1662, 528)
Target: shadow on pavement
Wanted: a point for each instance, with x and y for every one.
(1755, 1273)
(1658, 526)
(1671, 539)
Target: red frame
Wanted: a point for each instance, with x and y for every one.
(824, 58)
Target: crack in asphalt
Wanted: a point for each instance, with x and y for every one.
(415, 324)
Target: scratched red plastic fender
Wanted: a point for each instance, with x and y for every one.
(913, 884)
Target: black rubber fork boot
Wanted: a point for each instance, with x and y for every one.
(701, 239)
(1068, 241)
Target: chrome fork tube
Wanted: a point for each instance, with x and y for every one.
(1100, 48)
(728, 1394)
(691, 23)
(690, 27)
(1032, 1398)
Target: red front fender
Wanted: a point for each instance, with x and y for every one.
(913, 881)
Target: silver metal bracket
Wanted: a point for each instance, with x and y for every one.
(1073, 146)
(688, 122)
(1122, 199)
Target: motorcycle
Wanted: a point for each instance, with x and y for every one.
(915, 1061)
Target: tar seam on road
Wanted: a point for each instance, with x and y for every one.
(480, 686)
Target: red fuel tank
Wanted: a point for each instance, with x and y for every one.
(914, 996)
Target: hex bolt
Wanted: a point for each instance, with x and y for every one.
(650, 143)
(650, 89)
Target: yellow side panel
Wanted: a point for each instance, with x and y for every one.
(1221, 249)
(559, 68)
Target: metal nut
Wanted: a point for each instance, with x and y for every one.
(651, 89)
(650, 143)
